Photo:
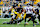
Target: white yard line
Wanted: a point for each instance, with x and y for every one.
(6, 25)
(5, 18)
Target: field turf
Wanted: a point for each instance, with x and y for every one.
(15, 25)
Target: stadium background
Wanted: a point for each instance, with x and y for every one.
(11, 25)
(2, 2)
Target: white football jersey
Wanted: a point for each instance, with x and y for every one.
(6, 11)
(3, 9)
(34, 10)
(28, 10)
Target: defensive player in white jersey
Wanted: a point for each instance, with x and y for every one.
(35, 16)
(29, 11)
(36, 9)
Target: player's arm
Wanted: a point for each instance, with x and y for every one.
(34, 11)
(24, 16)
(10, 9)
(24, 10)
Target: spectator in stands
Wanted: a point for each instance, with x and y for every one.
(18, 1)
(11, 2)
(32, 1)
(6, 11)
(3, 9)
(9, 7)
(1, 2)
(0, 12)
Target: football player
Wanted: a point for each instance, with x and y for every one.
(29, 12)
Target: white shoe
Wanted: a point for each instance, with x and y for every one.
(34, 25)
(18, 23)
(27, 23)
(37, 24)
(4, 22)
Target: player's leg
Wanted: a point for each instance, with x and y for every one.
(20, 20)
(8, 22)
(37, 19)
(26, 18)
(11, 22)
(5, 16)
(33, 19)
(29, 20)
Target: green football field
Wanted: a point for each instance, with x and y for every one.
(15, 25)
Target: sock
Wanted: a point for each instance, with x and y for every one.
(37, 19)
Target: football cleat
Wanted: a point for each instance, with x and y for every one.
(4, 22)
(27, 23)
(18, 23)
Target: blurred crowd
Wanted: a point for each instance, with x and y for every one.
(6, 5)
